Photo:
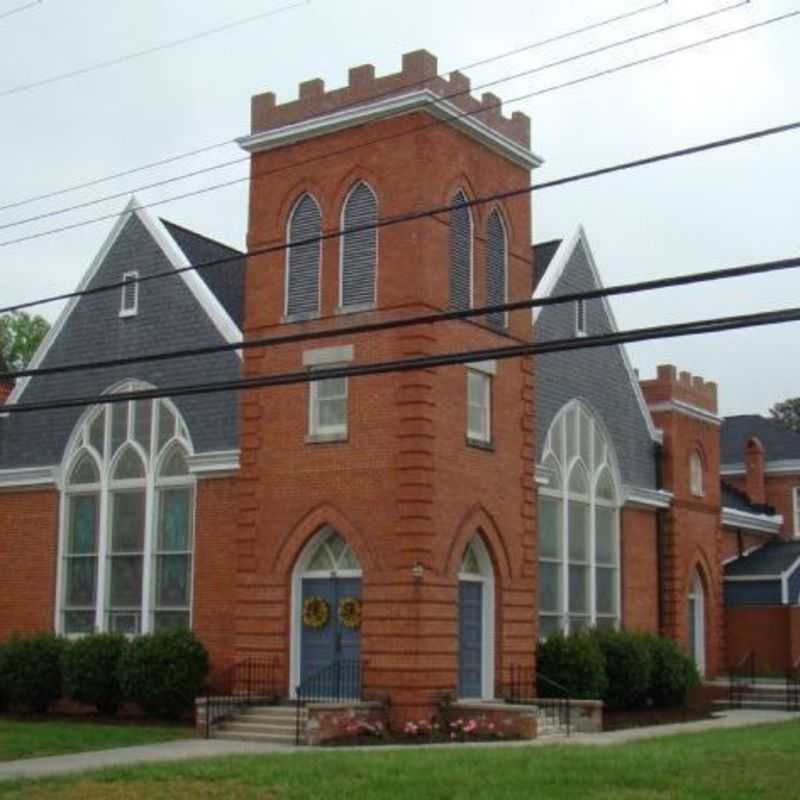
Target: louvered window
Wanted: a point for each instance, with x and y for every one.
(460, 255)
(130, 294)
(496, 268)
(303, 260)
(359, 247)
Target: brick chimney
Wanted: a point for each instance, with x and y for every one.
(754, 471)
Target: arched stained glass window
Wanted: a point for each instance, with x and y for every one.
(578, 525)
(127, 568)
(460, 254)
(303, 260)
(333, 554)
(359, 247)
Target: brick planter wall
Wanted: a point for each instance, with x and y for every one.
(328, 722)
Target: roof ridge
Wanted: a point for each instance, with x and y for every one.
(202, 236)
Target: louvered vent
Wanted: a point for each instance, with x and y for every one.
(496, 268)
(360, 247)
(302, 285)
(460, 255)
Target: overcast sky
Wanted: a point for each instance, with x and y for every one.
(721, 209)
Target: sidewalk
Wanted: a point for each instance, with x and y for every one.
(210, 748)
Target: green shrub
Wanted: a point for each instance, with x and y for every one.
(575, 662)
(628, 667)
(3, 688)
(673, 672)
(30, 671)
(164, 672)
(90, 671)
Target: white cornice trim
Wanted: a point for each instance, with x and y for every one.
(650, 498)
(216, 464)
(784, 466)
(29, 477)
(548, 283)
(216, 312)
(421, 100)
(688, 409)
(751, 578)
(734, 518)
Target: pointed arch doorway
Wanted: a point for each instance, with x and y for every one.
(476, 623)
(697, 622)
(326, 583)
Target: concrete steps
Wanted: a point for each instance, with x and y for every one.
(265, 724)
(759, 697)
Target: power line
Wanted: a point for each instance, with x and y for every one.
(149, 51)
(694, 328)
(761, 268)
(20, 9)
(482, 62)
(388, 221)
(233, 162)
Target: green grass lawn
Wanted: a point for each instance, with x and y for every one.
(761, 762)
(35, 739)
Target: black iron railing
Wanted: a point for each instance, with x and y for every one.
(526, 686)
(742, 677)
(251, 681)
(336, 682)
(793, 687)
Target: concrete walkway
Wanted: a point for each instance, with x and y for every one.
(184, 749)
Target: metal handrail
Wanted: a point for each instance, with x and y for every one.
(248, 682)
(521, 689)
(743, 670)
(337, 681)
(793, 687)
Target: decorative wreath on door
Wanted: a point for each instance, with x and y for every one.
(350, 612)
(316, 612)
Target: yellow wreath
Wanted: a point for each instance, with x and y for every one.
(350, 612)
(316, 612)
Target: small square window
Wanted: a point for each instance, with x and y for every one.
(580, 318)
(130, 294)
(479, 406)
(328, 408)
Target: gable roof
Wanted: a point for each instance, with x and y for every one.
(556, 264)
(781, 443)
(773, 559)
(226, 280)
(542, 256)
(216, 312)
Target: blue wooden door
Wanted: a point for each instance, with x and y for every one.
(321, 647)
(470, 639)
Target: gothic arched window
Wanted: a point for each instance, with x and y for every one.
(127, 531)
(359, 247)
(303, 260)
(496, 268)
(460, 254)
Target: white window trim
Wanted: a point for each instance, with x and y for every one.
(151, 483)
(318, 432)
(355, 307)
(130, 311)
(287, 317)
(486, 381)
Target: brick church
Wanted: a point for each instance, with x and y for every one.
(430, 524)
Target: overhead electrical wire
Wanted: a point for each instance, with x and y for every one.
(688, 279)
(693, 328)
(149, 50)
(408, 217)
(460, 93)
(482, 62)
(19, 9)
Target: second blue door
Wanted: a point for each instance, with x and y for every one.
(470, 639)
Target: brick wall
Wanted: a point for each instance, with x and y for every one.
(765, 630)
(639, 570)
(28, 552)
(778, 491)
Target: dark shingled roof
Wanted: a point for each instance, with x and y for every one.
(542, 256)
(779, 441)
(225, 280)
(735, 498)
(771, 559)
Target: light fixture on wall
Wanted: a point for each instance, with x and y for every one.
(417, 571)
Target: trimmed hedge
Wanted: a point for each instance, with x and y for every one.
(673, 672)
(629, 668)
(90, 670)
(576, 662)
(164, 672)
(30, 670)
